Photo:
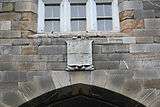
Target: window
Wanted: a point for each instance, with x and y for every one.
(78, 17)
(107, 15)
(52, 17)
(104, 16)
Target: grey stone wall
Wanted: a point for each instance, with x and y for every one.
(32, 64)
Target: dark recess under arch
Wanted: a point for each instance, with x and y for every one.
(82, 95)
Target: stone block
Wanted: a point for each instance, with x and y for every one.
(144, 14)
(128, 14)
(8, 6)
(99, 78)
(5, 25)
(26, 6)
(97, 49)
(151, 5)
(143, 48)
(131, 87)
(52, 50)
(29, 89)
(116, 48)
(144, 40)
(45, 83)
(154, 84)
(29, 50)
(12, 16)
(108, 57)
(129, 40)
(80, 77)
(13, 76)
(8, 86)
(61, 78)
(13, 99)
(156, 39)
(10, 34)
(10, 50)
(139, 65)
(32, 74)
(146, 74)
(32, 66)
(146, 32)
(130, 5)
(29, 16)
(24, 25)
(56, 58)
(56, 65)
(102, 65)
(153, 23)
(131, 24)
(8, 66)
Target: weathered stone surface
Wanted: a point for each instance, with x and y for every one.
(99, 78)
(80, 77)
(145, 32)
(52, 50)
(56, 66)
(98, 65)
(143, 48)
(45, 83)
(10, 50)
(131, 87)
(8, 86)
(10, 34)
(8, 6)
(24, 25)
(131, 24)
(8, 66)
(152, 23)
(144, 14)
(13, 99)
(117, 48)
(130, 5)
(29, 50)
(13, 76)
(12, 16)
(61, 78)
(154, 84)
(26, 6)
(32, 66)
(128, 14)
(5, 25)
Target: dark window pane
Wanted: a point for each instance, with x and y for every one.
(52, 26)
(105, 25)
(104, 10)
(78, 25)
(78, 11)
(52, 11)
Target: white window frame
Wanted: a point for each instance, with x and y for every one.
(115, 18)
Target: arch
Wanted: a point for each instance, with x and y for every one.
(82, 95)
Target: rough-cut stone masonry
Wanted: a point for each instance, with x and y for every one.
(32, 64)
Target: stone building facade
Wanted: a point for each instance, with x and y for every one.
(33, 63)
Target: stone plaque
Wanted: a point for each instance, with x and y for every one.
(79, 55)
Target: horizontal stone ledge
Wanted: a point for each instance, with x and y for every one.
(81, 34)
